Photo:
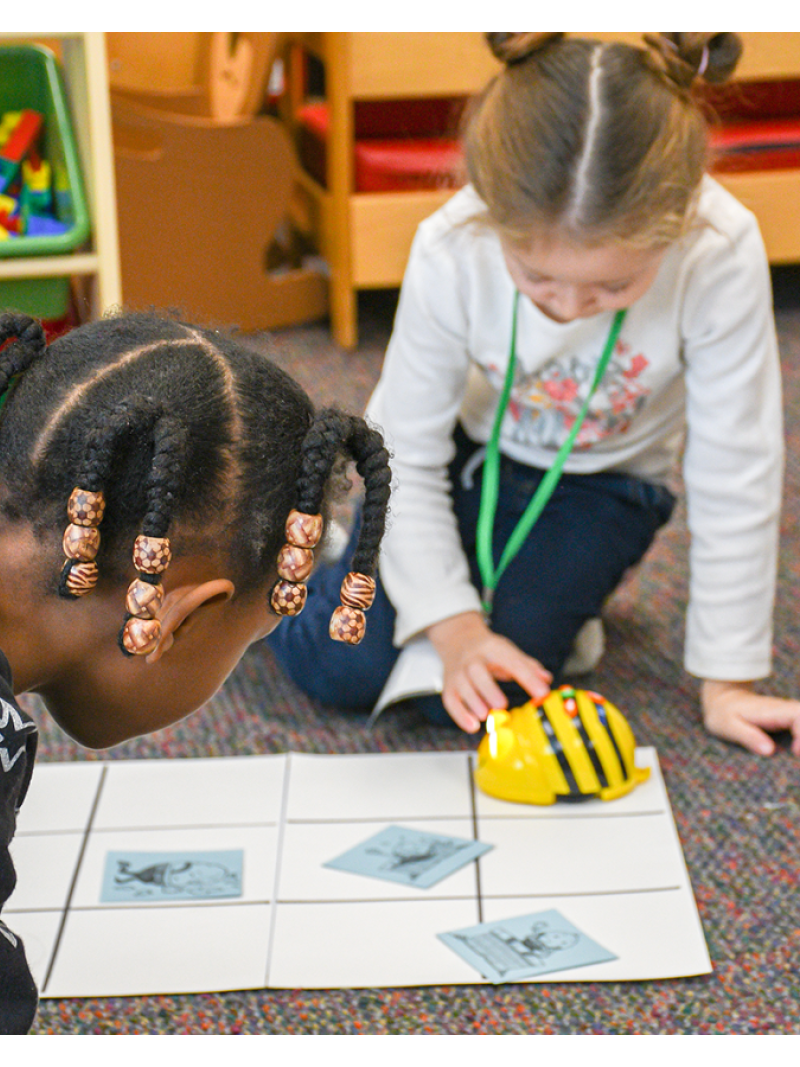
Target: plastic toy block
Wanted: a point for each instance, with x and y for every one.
(44, 226)
(19, 142)
(37, 185)
(22, 137)
(11, 223)
(7, 124)
(36, 175)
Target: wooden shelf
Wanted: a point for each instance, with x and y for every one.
(366, 237)
(83, 57)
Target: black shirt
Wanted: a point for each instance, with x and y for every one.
(18, 996)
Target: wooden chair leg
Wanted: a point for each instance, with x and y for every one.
(344, 313)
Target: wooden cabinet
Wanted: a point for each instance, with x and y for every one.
(366, 237)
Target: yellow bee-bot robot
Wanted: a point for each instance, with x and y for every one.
(573, 745)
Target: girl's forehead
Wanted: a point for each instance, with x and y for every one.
(567, 260)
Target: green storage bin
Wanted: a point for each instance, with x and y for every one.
(30, 78)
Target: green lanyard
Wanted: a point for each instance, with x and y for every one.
(490, 487)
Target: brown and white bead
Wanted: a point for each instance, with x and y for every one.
(295, 564)
(140, 636)
(348, 625)
(303, 530)
(288, 598)
(81, 577)
(81, 542)
(151, 555)
(86, 508)
(358, 590)
(144, 599)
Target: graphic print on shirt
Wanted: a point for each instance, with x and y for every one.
(13, 735)
(546, 402)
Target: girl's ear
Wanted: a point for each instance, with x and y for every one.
(184, 607)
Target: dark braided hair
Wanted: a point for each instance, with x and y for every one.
(181, 429)
(22, 341)
(321, 446)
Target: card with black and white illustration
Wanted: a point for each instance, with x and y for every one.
(413, 857)
(510, 950)
(171, 876)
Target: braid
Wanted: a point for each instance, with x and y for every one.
(148, 427)
(330, 433)
(152, 552)
(88, 503)
(165, 475)
(29, 345)
(103, 441)
(325, 440)
(372, 463)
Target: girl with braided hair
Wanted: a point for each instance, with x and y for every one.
(588, 301)
(162, 489)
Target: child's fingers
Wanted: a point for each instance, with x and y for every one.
(485, 688)
(460, 713)
(748, 736)
(530, 674)
(509, 663)
(747, 719)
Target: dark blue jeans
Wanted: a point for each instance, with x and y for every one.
(594, 527)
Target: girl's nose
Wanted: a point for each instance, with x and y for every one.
(573, 301)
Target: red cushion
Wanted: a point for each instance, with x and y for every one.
(413, 151)
(384, 119)
(768, 145)
(412, 144)
(383, 166)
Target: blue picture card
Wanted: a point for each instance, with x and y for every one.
(168, 876)
(413, 857)
(526, 946)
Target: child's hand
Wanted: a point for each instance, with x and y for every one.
(473, 657)
(732, 710)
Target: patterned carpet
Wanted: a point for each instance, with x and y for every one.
(738, 816)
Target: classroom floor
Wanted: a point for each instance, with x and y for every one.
(738, 816)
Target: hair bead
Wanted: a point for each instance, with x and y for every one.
(141, 630)
(144, 599)
(303, 530)
(78, 578)
(140, 636)
(358, 591)
(86, 508)
(348, 624)
(295, 564)
(151, 555)
(81, 542)
(288, 598)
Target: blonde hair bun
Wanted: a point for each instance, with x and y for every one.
(514, 47)
(687, 56)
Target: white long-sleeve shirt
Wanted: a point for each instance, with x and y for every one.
(695, 367)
